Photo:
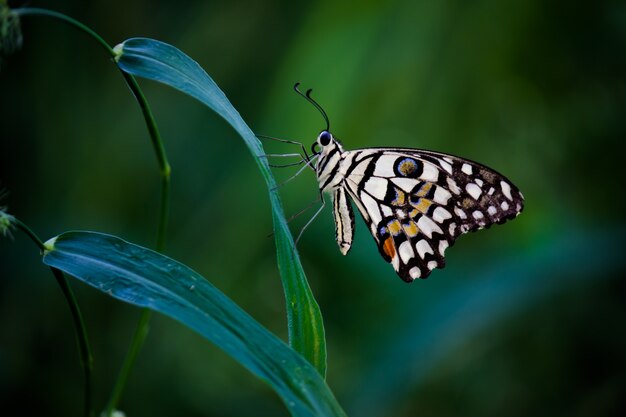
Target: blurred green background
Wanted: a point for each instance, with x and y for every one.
(526, 319)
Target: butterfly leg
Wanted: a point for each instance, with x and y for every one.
(312, 218)
(308, 164)
(304, 155)
(298, 214)
(284, 155)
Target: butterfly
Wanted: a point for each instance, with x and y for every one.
(415, 202)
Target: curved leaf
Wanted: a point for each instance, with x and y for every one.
(164, 63)
(146, 278)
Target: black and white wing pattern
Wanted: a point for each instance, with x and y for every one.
(416, 203)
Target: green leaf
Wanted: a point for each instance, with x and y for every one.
(146, 278)
(164, 63)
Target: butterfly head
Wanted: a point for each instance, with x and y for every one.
(325, 143)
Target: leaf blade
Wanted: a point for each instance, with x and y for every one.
(166, 64)
(145, 278)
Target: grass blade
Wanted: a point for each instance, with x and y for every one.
(146, 278)
(164, 63)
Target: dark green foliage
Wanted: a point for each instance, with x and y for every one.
(533, 89)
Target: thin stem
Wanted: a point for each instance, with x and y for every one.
(153, 130)
(35, 11)
(29, 233)
(81, 333)
(141, 330)
(86, 357)
(164, 166)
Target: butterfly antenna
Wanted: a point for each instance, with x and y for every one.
(307, 96)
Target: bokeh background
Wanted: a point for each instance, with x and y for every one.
(526, 319)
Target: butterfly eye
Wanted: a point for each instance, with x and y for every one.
(325, 138)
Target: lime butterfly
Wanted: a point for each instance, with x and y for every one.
(415, 202)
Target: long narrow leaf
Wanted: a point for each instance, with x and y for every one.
(149, 279)
(164, 63)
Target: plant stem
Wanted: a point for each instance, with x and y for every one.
(81, 334)
(164, 166)
(141, 330)
(86, 357)
(34, 11)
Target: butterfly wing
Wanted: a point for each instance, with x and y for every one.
(418, 202)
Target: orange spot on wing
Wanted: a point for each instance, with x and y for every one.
(389, 248)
